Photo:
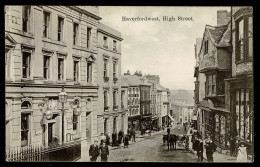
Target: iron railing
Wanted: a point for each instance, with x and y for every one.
(38, 153)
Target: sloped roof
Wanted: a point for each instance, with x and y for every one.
(134, 80)
(124, 82)
(219, 35)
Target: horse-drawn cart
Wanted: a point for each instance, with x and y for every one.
(174, 140)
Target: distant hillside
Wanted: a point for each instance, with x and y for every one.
(185, 95)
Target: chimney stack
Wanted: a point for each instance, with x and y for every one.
(222, 17)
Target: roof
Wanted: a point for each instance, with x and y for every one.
(124, 82)
(219, 35)
(109, 31)
(133, 80)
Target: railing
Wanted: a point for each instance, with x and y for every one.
(39, 153)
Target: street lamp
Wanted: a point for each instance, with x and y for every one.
(63, 99)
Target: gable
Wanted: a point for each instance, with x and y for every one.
(9, 41)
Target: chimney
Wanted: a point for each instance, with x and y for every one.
(222, 17)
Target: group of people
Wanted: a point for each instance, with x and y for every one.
(95, 151)
(199, 144)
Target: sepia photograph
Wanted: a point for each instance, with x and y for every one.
(129, 84)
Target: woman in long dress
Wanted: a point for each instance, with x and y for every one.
(242, 153)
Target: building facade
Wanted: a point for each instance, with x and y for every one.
(241, 90)
(111, 116)
(224, 81)
(47, 47)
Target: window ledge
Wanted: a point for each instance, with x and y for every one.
(26, 80)
(48, 82)
(243, 61)
(60, 82)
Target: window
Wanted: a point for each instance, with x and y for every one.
(24, 129)
(105, 126)
(46, 24)
(88, 37)
(46, 67)
(26, 64)
(106, 99)
(114, 125)
(114, 45)
(114, 69)
(60, 69)
(75, 33)
(210, 85)
(115, 99)
(105, 67)
(75, 122)
(89, 71)
(240, 41)
(250, 37)
(76, 71)
(60, 28)
(206, 45)
(122, 98)
(105, 45)
(26, 18)
(244, 38)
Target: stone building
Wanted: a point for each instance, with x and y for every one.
(214, 63)
(111, 116)
(224, 84)
(133, 98)
(47, 47)
(240, 84)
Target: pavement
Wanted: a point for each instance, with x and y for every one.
(85, 157)
(218, 157)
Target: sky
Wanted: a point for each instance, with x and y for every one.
(160, 48)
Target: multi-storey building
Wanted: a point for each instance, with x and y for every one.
(133, 100)
(47, 47)
(111, 116)
(240, 85)
(214, 63)
(224, 88)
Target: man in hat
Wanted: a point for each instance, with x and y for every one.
(210, 148)
(104, 152)
(94, 151)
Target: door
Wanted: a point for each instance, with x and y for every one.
(50, 132)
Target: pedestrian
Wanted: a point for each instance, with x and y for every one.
(242, 153)
(94, 151)
(114, 138)
(200, 150)
(104, 152)
(107, 139)
(187, 143)
(102, 138)
(120, 136)
(126, 140)
(163, 128)
(195, 145)
(210, 149)
(168, 130)
(133, 135)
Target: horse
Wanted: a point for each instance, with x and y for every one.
(171, 141)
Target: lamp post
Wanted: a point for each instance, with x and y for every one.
(63, 99)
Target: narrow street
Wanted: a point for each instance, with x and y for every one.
(151, 149)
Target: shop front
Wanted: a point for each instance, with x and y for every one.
(242, 110)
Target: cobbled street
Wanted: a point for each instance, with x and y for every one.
(151, 149)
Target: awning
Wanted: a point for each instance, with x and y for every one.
(194, 117)
(155, 117)
(171, 117)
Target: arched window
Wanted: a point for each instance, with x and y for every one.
(26, 105)
(88, 104)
